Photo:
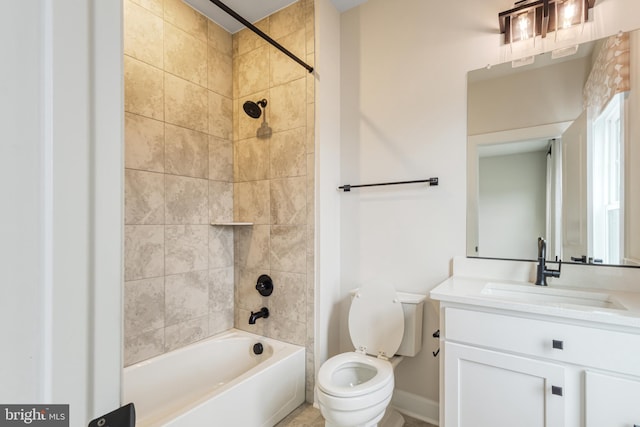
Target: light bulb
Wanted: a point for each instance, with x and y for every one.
(523, 26)
(568, 14)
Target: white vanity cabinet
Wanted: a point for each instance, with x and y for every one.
(510, 368)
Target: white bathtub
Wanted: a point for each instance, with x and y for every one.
(218, 382)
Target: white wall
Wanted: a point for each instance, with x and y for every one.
(512, 204)
(21, 228)
(327, 209)
(515, 99)
(404, 66)
(60, 232)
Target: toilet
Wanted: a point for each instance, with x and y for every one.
(354, 389)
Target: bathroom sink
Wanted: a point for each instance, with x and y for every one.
(550, 296)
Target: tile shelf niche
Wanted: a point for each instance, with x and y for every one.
(231, 223)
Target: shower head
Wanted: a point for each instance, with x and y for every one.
(253, 108)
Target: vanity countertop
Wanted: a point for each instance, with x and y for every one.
(611, 307)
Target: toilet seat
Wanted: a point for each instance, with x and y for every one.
(376, 374)
(376, 320)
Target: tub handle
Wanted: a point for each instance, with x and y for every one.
(264, 285)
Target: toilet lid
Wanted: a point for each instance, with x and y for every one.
(376, 320)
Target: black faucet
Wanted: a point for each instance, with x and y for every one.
(541, 270)
(264, 312)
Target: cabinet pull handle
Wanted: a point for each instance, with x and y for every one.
(556, 390)
(558, 344)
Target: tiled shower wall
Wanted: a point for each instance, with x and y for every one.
(185, 82)
(178, 177)
(274, 178)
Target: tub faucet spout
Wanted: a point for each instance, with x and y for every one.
(264, 313)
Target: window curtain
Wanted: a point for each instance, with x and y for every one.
(554, 200)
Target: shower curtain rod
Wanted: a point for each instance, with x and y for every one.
(259, 32)
(347, 187)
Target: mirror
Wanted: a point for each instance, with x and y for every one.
(553, 151)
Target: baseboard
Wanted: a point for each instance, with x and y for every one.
(416, 406)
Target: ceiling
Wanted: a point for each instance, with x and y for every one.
(252, 11)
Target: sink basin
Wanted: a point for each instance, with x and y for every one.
(550, 296)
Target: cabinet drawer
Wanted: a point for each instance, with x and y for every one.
(574, 344)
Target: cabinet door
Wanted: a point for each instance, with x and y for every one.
(611, 401)
(489, 388)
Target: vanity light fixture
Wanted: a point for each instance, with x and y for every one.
(531, 18)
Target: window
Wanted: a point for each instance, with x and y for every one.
(606, 181)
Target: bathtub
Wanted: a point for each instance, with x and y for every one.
(218, 382)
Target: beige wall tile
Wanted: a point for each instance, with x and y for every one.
(143, 34)
(283, 69)
(311, 196)
(185, 333)
(220, 159)
(144, 143)
(143, 197)
(219, 38)
(186, 296)
(286, 330)
(220, 201)
(143, 251)
(186, 200)
(220, 247)
(185, 55)
(221, 320)
(246, 40)
(288, 153)
(252, 247)
(143, 306)
(154, 6)
(310, 128)
(253, 71)
(287, 20)
(251, 160)
(187, 19)
(186, 152)
(221, 289)
(290, 302)
(247, 296)
(185, 103)
(288, 105)
(186, 248)
(289, 201)
(143, 89)
(144, 346)
(289, 249)
(252, 202)
(220, 72)
(220, 116)
(309, 20)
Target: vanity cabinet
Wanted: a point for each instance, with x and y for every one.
(510, 368)
(489, 388)
(611, 400)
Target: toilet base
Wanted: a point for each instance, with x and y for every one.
(391, 418)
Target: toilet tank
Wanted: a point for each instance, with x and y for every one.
(412, 306)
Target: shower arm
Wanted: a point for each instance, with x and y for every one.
(259, 32)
